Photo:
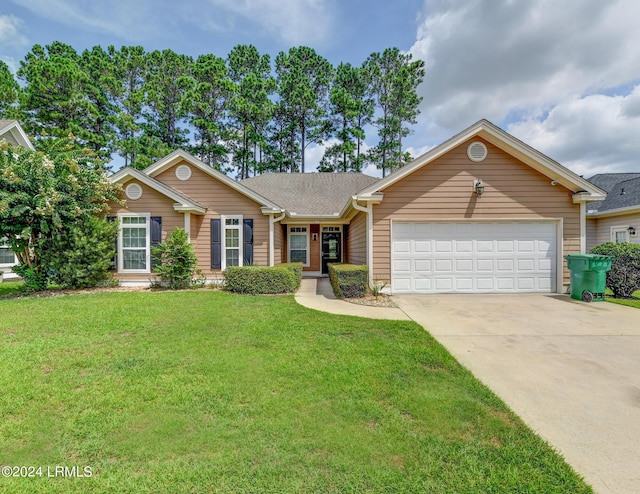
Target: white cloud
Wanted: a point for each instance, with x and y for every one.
(594, 134)
(125, 19)
(10, 35)
(294, 21)
(507, 60)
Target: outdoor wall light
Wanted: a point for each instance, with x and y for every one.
(632, 231)
(478, 188)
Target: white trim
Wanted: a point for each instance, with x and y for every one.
(181, 155)
(272, 221)
(308, 249)
(224, 228)
(17, 132)
(187, 225)
(508, 143)
(559, 240)
(560, 255)
(183, 203)
(583, 227)
(147, 217)
(616, 212)
(368, 211)
(5, 245)
(617, 229)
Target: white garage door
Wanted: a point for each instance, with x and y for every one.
(473, 257)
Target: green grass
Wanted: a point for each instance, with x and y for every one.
(206, 391)
(11, 287)
(625, 301)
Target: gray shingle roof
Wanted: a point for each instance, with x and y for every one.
(309, 194)
(624, 193)
(607, 181)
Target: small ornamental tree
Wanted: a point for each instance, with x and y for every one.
(178, 264)
(45, 193)
(79, 254)
(624, 277)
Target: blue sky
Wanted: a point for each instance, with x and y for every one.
(562, 76)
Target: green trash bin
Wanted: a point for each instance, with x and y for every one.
(588, 275)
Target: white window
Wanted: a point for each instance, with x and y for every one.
(7, 257)
(619, 234)
(134, 252)
(231, 241)
(299, 245)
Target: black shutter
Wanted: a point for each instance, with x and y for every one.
(216, 245)
(156, 238)
(114, 261)
(247, 240)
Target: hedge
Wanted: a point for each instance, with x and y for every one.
(624, 277)
(256, 280)
(348, 280)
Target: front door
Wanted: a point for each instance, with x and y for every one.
(331, 249)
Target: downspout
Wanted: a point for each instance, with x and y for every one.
(583, 227)
(368, 210)
(272, 221)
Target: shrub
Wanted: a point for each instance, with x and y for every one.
(34, 279)
(78, 255)
(348, 280)
(257, 280)
(624, 277)
(296, 269)
(177, 265)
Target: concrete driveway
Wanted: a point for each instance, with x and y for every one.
(571, 370)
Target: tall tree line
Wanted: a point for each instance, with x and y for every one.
(242, 114)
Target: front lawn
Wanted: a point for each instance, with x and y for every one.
(205, 391)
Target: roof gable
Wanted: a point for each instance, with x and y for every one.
(180, 155)
(182, 202)
(507, 143)
(13, 133)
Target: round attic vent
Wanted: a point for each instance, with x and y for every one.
(477, 151)
(183, 172)
(133, 191)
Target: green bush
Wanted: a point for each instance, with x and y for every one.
(78, 255)
(296, 269)
(34, 279)
(177, 265)
(348, 280)
(624, 277)
(256, 280)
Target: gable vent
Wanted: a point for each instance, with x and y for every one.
(133, 191)
(183, 172)
(477, 151)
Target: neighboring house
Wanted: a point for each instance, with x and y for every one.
(481, 212)
(616, 218)
(11, 132)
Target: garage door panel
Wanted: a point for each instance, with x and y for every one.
(469, 257)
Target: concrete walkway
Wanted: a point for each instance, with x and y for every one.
(570, 370)
(316, 293)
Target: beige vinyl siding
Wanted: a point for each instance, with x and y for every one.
(279, 244)
(155, 204)
(219, 199)
(592, 233)
(443, 190)
(357, 241)
(603, 228)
